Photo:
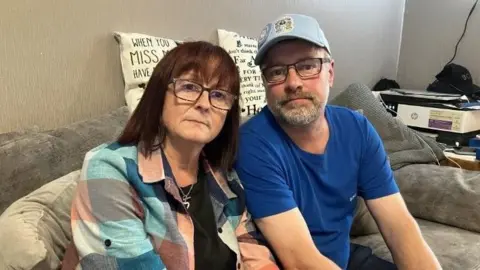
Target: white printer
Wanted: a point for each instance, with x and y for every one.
(451, 117)
(455, 121)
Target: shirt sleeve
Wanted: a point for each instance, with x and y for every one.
(107, 218)
(253, 247)
(376, 176)
(259, 169)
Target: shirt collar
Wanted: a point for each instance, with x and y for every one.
(152, 169)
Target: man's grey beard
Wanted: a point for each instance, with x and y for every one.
(301, 115)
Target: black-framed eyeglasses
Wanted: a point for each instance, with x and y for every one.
(191, 91)
(305, 69)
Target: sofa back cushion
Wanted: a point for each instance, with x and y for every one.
(30, 160)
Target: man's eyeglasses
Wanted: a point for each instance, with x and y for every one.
(305, 69)
(191, 91)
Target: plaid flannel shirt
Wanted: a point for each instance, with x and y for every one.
(127, 214)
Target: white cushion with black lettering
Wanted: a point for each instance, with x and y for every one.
(243, 50)
(139, 54)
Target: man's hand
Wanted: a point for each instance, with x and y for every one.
(402, 234)
(290, 238)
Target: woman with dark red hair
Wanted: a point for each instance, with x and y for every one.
(164, 195)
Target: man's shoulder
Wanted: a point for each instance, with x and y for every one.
(261, 136)
(346, 112)
(346, 117)
(261, 125)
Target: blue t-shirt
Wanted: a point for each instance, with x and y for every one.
(278, 176)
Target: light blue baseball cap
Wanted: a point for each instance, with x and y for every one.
(290, 26)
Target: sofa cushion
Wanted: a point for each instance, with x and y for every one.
(39, 225)
(13, 135)
(446, 195)
(455, 248)
(33, 159)
(7, 137)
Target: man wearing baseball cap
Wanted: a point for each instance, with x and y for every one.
(303, 162)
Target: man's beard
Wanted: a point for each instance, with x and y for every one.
(298, 115)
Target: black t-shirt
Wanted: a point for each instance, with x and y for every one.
(210, 251)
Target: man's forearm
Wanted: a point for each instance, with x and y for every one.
(409, 249)
(295, 249)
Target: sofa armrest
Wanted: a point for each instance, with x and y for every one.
(442, 194)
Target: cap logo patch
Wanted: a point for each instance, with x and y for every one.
(284, 25)
(264, 34)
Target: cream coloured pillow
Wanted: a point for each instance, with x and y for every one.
(132, 97)
(243, 50)
(139, 54)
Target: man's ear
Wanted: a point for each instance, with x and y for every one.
(331, 73)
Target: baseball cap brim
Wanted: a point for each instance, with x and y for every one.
(475, 88)
(272, 42)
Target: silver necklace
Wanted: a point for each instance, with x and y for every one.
(186, 197)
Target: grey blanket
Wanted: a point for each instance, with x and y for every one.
(404, 145)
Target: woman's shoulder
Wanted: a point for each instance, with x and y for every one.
(109, 158)
(112, 151)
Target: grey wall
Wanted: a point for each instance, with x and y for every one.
(59, 62)
(431, 30)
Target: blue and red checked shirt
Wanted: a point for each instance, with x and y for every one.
(127, 214)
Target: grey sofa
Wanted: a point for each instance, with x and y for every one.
(39, 171)
(38, 174)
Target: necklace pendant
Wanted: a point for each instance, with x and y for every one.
(185, 200)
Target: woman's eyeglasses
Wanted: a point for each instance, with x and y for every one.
(305, 69)
(191, 91)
